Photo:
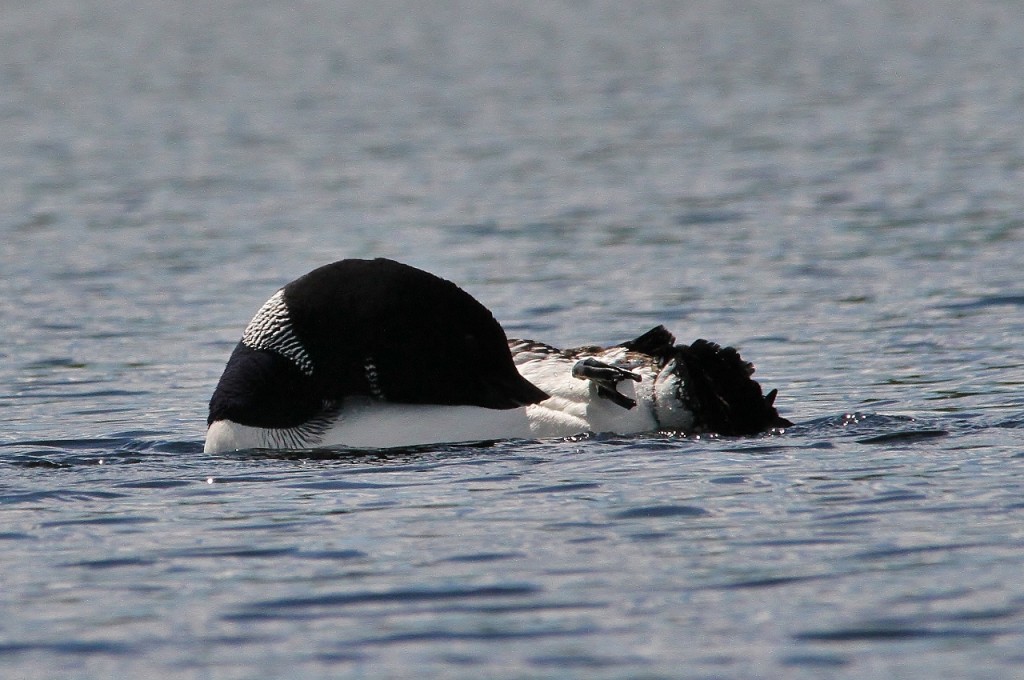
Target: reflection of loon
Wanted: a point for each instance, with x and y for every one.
(373, 353)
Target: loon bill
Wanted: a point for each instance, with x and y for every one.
(375, 353)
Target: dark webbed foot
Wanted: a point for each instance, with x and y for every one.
(606, 377)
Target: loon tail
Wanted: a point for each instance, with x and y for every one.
(725, 397)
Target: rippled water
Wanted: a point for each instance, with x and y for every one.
(835, 188)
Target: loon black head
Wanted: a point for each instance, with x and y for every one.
(373, 328)
(262, 388)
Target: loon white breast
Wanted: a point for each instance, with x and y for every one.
(374, 353)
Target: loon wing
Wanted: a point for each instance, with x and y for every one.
(657, 342)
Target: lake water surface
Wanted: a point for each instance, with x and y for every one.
(835, 188)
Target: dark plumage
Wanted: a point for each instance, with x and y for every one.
(719, 388)
(375, 328)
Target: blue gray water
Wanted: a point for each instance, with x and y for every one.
(833, 187)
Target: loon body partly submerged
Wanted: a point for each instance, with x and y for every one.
(374, 353)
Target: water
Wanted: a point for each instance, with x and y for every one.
(832, 187)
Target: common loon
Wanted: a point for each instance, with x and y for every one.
(378, 354)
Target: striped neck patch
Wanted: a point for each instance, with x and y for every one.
(271, 329)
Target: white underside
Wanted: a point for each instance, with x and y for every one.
(574, 408)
